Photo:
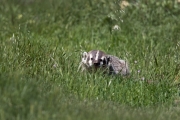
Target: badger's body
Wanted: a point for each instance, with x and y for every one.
(117, 66)
(98, 60)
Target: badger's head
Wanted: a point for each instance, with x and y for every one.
(94, 58)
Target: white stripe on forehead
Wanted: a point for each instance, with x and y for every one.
(90, 56)
(97, 55)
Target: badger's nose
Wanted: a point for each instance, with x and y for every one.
(97, 64)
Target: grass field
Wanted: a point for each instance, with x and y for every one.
(40, 48)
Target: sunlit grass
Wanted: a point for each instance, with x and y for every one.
(41, 45)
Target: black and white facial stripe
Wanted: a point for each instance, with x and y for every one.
(95, 58)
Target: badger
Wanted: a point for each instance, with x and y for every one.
(93, 60)
(98, 60)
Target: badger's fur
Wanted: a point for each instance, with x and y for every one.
(117, 66)
(93, 60)
(98, 60)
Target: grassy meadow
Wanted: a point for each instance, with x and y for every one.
(40, 49)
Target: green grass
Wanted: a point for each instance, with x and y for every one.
(40, 49)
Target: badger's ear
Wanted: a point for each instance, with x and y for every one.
(84, 55)
(108, 57)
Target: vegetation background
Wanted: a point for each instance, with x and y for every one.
(40, 48)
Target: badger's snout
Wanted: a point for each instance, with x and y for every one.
(97, 64)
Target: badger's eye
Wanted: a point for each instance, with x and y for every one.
(91, 58)
(100, 60)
